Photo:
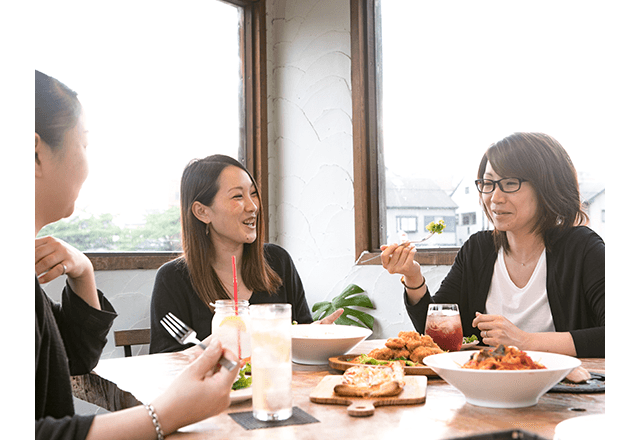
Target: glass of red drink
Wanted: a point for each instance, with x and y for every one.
(444, 326)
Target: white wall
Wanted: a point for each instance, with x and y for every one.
(311, 157)
(310, 172)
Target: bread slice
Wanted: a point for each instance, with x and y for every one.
(372, 381)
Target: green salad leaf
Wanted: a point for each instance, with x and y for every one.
(244, 379)
(436, 228)
(469, 339)
(368, 360)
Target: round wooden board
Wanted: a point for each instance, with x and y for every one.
(342, 363)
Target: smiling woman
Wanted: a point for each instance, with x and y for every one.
(549, 187)
(516, 285)
(220, 214)
(222, 219)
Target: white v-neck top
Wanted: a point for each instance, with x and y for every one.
(528, 307)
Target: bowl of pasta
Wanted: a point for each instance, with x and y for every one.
(502, 377)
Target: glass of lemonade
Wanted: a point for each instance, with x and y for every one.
(232, 329)
(444, 326)
(271, 368)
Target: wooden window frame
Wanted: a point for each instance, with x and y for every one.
(253, 130)
(367, 148)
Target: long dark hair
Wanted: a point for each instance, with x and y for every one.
(545, 164)
(200, 183)
(57, 110)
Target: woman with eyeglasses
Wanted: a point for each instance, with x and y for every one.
(537, 281)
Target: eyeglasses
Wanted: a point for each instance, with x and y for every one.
(507, 185)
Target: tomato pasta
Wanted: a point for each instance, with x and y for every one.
(502, 358)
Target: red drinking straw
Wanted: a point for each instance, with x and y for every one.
(235, 299)
(235, 285)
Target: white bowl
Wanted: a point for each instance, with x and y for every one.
(502, 388)
(314, 344)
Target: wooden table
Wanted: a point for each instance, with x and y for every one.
(125, 382)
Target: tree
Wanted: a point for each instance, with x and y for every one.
(86, 234)
(161, 232)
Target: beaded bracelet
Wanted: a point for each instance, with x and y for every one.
(156, 423)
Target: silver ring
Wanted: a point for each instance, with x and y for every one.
(64, 269)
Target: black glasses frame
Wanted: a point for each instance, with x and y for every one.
(480, 183)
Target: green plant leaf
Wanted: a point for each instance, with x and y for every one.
(351, 296)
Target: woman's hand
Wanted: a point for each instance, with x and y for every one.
(54, 258)
(331, 318)
(398, 258)
(496, 330)
(200, 391)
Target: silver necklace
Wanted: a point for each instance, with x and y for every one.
(526, 262)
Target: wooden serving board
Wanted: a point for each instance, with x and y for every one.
(415, 391)
(342, 363)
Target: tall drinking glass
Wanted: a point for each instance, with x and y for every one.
(444, 326)
(271, 368)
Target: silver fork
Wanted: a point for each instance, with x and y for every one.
(184, 334)
(404, 243)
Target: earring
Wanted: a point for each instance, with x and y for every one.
(206, 229)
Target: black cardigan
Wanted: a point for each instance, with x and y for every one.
(173, 292)
(575, 286)
(69, 339)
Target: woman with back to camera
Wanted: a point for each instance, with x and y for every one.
(221, 218)
(537, 281)
(70, 336)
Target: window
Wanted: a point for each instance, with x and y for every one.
(440, 81)
(468, 218)
(161, 84)
(406, 224)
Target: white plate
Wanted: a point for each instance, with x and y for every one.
(499, 388)
(241, 395)
(582, 427)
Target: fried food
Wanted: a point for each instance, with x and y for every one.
(382, 354)
(408, 336)
(395, 343)
(422, 352)
(407, 345)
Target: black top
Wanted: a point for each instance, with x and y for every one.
(575, 286)
(69, 339)
(173, 292)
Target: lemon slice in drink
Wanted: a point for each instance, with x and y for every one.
(234, 321)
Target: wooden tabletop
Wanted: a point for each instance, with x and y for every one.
(125, 382)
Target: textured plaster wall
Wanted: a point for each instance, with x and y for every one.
(311, 157)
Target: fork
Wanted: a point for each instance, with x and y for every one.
(184, 334)
(404, 243)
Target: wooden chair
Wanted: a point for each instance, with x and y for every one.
(127, 338)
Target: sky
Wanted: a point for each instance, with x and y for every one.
(488, 69)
